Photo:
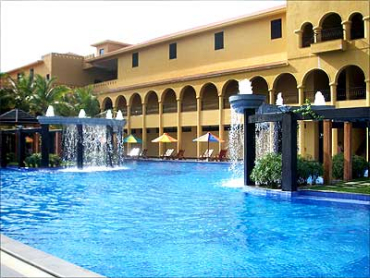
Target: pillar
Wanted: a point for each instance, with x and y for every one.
(347, 168)
(317, 34)
(272, 96)
(128, 125)
(21, 142)
(45, 141)
(334, 144)
(327, 163)
(346, 30)
(160, 125)
(109, 145)
(366, 20)
(272, 125)
(220, 120)
(199, 127)
(301, 99)
(367, 81)
(143, 133)
(289, 153)
(4, 149)
(299, 36)
(333, 93)
(249, 146)
(301, 135)
(58, 143)
(179, 128)
(36, 142)
(80, 147)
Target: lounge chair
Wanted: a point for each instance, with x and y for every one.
(179, 155)
(207, 154)
(168, 154)
(134, 153)
(221, 156)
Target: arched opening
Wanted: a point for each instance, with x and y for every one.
(189, 100)
(260, 87)
(107, 104)
(357, 26)
(169, 101)
(209, 97)
(332, 28)
(286, 84)
(152, 105)
(307, 35)
(316, 80)
(136, 106)
(121, 104)
(231, 88)
(351, 84)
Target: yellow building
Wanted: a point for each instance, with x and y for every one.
(181, 83)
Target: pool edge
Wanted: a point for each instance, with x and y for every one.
(42, 260)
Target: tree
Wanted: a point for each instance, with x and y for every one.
(86, 100)
(46, 93)
(20, 91)
(6, 95)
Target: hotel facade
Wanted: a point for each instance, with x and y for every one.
(181, 83)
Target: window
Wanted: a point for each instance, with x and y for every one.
(135, 59)
(173, 51)
(276, 29)
(101, 51)
(32, 72)
(19, 75)
(48, 77)
(219, 40)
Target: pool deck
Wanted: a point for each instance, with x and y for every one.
(20, 260)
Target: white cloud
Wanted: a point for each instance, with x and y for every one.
(30, 29)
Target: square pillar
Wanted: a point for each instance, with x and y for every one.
(45, 146)
(347, 167)
(289, 153)
(328, 161)
(80, 147)
(249, 146)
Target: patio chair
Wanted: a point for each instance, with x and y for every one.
(207, 155)
(134, 153)
(179, 155)
(143, 154)
(221, 156)
(168, 154)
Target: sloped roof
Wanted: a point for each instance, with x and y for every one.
(17, 116)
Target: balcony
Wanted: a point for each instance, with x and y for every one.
(329, 46)
(103, 86)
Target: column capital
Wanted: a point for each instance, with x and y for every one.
(178, 99)
(367, 80)
(332, 84)
(366, 18)
(346, 22)
(317, 28)
(300, 86)
(298, 31)
(272, 90)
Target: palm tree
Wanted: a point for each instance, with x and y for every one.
(6, 95)
(85, 99)
(21, 91)
(46, 93)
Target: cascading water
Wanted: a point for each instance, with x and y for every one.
(236, 139)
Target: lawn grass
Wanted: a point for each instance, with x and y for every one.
(355, 186)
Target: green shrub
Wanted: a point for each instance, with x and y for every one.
(10, 157)
(54, 160)
(34, 160)
(359, 165)
(308, 168)
(267, 171)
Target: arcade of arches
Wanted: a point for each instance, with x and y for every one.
(190, 111)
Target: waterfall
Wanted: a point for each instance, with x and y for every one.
(236, 142)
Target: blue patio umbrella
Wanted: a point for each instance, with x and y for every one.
(132, 139)
(208, 137)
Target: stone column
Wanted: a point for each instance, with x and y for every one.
(301, 99)
(333, 93)
(128, 125)
(272, 96)
(301, 143)
(347, 168)
(21, 143)
(346, 30)
(58, 143)
(143, 132)
(272, 125)
(367, 81)
(327, 151)
(45, 141)
(366, 20)
(199, 126)
(334, 145)
(299, 36)
(160, 125)
(179, 127)
(317, 34)
(220, 120)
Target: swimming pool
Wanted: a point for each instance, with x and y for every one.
(160, 219)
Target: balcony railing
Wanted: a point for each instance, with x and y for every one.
(329, 34)
(209, 106)
(169, 108)
(188, 107)
(310, 95)
(135, 111)
(152, 110)
(353, 93)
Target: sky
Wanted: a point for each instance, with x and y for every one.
(31, 29)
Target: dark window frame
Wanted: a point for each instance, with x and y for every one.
(219, 40)
(135, 59)
(172, 51)
(101, 51)
(276, 29)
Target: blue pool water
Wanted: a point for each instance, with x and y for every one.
(180, 219)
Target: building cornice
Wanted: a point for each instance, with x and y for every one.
(196, 77)
(19, 69)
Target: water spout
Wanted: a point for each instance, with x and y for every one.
(50, 111)
(119, 115)
(245, 87)
(109, 114)
(279, 100)
(319, 99)
(82, 114)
